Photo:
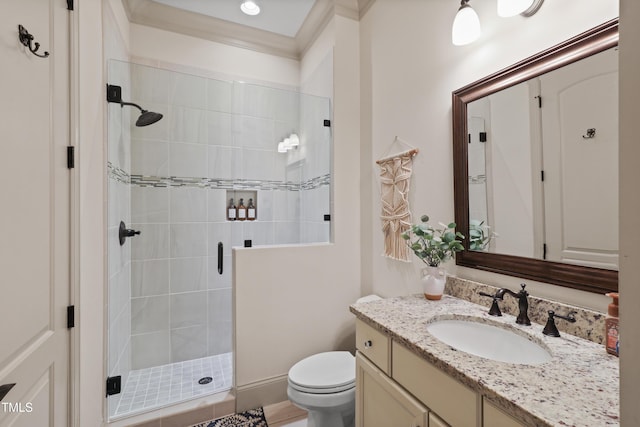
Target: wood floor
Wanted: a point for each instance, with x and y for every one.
(285, 414)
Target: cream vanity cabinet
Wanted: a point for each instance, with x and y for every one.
(397, 388)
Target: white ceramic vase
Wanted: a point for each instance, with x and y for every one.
(433, 280)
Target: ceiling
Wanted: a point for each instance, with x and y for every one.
(283, 17)
(284, 27)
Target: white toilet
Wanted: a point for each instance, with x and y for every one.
(325, 385)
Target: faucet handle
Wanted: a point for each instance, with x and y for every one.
(550, 328)
(495, 309)
(522, 286)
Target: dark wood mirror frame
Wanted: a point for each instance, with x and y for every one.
(589, 279)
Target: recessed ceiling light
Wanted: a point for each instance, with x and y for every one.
(250, 7)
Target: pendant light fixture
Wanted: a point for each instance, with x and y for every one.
(466, 25)
(507, 8)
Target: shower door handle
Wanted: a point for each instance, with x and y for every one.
(220, 257)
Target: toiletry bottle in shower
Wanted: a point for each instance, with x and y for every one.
(231, 211)
(242, 211)
(251, 211)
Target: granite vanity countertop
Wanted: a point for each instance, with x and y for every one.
(578, 387)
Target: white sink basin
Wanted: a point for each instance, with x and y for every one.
(489, 341)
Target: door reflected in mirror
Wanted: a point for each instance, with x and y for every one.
(543, 166)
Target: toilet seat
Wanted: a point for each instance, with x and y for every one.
(324, 373)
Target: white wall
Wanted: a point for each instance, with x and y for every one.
(91, 202)
(409, 69)
(629, 206)
(184, 53)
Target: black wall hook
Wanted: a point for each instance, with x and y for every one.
(26, 39)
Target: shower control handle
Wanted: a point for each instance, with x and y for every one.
(125, 232)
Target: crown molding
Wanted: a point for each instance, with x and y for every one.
(161, 16)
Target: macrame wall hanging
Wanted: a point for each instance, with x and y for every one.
(395, 180)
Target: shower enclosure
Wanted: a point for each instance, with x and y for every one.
(170, 315)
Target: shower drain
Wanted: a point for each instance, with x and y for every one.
(205, 380)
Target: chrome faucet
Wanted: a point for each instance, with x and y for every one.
(523, 303)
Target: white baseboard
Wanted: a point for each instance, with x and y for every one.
(261, 393)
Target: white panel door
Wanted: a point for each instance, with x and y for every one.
(34, 215)
(581, 166)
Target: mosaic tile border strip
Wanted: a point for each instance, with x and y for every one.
(120, 175)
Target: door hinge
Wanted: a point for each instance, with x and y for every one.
(71, 316)
(544, 251)
(542, 176)
(69, 4)
(71, 162)
(327, 123)
(114, 385)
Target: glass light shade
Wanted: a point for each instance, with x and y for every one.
(250, 7)
(508, 8)
(466, 26)
(281, 147)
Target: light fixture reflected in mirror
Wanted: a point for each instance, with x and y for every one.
(466, 25)
(250, 7)
(293, 141)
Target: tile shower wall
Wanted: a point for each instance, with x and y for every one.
(216, 135)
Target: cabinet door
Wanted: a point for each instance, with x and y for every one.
(494, 417)
(380, 402)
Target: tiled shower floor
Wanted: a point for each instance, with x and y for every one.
(162, 385)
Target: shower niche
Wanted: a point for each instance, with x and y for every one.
(242, 205)
(170, 318)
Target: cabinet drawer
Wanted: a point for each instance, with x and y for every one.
(454, 402)
(494, 417)
(375, 345)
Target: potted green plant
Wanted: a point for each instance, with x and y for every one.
(433, 246)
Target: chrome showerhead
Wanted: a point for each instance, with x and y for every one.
(114, 94)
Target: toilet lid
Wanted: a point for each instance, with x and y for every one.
(329, 372)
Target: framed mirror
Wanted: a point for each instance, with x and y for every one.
(535, 165)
